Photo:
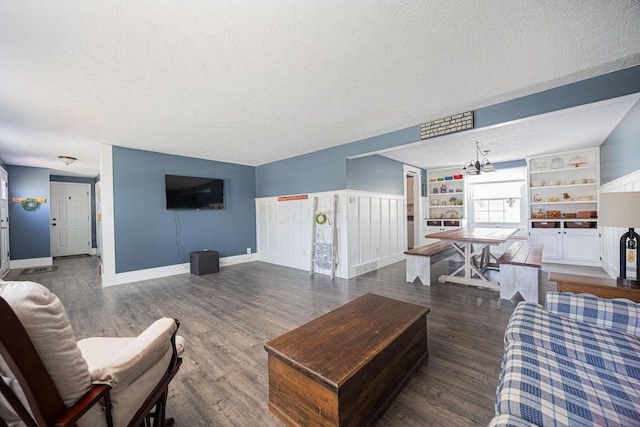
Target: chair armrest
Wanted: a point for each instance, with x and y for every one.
(140, 354)
(78, 409)
(617, 314)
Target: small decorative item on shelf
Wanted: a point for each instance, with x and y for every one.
(553, 214)
(457, 176)
(458, 190)
(443, 188)
(540, 165)
(566, 196)
(554, 199)
(585, 198)
(440, 179)
(451, 214)
(587, 214)
(569, 215)
(459, 202)
(435, 190)
(539, 214)
(537, 198)
(557, 163)
(577, 161)
(448, 178)
(537, 183)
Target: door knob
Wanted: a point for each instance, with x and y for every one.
(54, 224)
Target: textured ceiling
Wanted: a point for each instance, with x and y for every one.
(253, 81)
(573, 128)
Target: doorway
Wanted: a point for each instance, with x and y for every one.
(70, 219)
(4, 222)
(412, 197)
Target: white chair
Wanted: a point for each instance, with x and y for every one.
(50, 379)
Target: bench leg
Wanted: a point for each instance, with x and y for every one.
(419, 266)
(516, 278)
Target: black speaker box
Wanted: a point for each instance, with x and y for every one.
(205, 262)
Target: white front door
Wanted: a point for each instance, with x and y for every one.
(70, 219)
(4, 222)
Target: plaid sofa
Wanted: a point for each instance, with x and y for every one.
(575, 362)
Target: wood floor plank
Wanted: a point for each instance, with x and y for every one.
(227, 317)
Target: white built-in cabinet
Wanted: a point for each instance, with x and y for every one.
(445, 201)
(563, 203)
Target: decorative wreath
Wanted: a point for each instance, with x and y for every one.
(30, 204)
(321, 218)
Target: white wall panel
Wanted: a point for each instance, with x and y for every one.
(370, 230)
(375, 228)
(385, 223)
(364, 221)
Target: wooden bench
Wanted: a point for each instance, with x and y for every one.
(419, 260)
(519, 267)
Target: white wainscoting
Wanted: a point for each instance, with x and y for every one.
(371, 231)
(611, 235)
(377, 234)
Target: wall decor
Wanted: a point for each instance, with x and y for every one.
(445, 125)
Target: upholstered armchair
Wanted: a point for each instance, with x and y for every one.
(50, 379)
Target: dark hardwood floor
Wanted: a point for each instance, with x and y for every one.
(227, 317)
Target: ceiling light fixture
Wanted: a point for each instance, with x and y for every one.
(479, 166)
(67, 160)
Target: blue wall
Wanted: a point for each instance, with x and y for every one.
(375, 173)
(29, 231)
(326, 170)
(620, 152)
(323, 170)
(91, 182)
(600, 88)
(147, 235)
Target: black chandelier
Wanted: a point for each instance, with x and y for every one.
(479, 166)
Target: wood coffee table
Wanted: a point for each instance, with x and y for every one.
(345, 367)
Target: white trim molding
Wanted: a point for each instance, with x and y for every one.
(30, 263)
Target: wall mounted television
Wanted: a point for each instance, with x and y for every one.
(188, 192)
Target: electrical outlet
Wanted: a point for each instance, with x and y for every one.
(248, 250)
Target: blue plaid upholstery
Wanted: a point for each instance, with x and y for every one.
(547, 389)
(602, 348)
(615, 314)
(577, 367)
(507, 420)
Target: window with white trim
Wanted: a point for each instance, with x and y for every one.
(498, 198)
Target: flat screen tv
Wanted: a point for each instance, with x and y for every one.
(188, 192)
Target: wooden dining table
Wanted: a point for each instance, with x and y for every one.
(473, 243)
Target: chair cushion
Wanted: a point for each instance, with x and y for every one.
(548, 389)
(617, 314)
(602, 348)
(126, 398)
(45, 320)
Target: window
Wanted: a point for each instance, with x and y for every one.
(497, 198)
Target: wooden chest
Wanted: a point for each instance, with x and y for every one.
(345, 368)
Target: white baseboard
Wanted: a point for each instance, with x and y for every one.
(172, 270)
(356, 270)
(29, 263)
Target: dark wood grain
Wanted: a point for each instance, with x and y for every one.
(430, 249)
(361, 353)
(227, 317)
(601, 287)
(525, 254)
(475, 235)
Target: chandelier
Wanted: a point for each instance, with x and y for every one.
(479, 166)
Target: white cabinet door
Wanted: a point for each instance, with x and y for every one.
(581, 245)
(552, 242)
(431, 229)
